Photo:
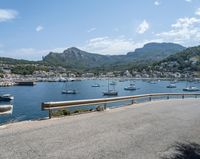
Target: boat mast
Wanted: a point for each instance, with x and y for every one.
(108, 84)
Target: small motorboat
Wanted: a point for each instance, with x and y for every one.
(96, 85)
(110, 93)
(191, 89)
(122, 80)
(6, 109)
(6, 97)
(130, 88)
(153, 82)
(171, 85)
(113, 83)
(71, 79)
(69, 92)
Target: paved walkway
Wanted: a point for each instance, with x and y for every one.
(141, 131)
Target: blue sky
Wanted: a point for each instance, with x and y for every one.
(30, 29)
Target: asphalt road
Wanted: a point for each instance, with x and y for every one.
(140, 131)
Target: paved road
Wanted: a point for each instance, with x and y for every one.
(142, 131)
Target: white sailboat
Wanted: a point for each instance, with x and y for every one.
(131, 87)
(110, 92)
(190, 88)
(113, 83)
(68, 91)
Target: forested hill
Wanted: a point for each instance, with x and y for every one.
(185, 61)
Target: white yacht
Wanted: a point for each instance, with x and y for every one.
(72, 91)
(96, 85)
(171, 85)
(191, 89)
(131, 87)
(6, 109)
(6, 97)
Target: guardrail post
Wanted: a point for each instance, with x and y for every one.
(132, 101)
(183, 96)
(50, 113)
(167, 97)
(195, 96)
(105, 106)
(149, 98)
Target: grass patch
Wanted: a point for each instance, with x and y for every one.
(65, 112)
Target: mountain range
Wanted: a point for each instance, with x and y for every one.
(76, 58)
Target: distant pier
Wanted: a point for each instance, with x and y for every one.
(25, 83)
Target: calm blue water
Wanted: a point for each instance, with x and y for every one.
(28, 99)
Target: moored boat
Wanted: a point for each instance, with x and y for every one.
(110, 93)
(26, 83)
(171, 85)
(6, 109)
(6, 97)
(152, 81)
(122, 80)
(191, 89)
(96, 85)
(131, 87)
(113, 83)
(69, 92)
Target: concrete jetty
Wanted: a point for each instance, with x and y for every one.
(139, 131)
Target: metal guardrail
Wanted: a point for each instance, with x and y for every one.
(77, 103)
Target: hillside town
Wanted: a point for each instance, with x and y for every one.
(61, 74)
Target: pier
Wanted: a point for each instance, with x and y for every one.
(145, 130)
(25, 83)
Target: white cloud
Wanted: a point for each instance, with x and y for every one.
(91, 30)
(7, 14)
(113, 46)
(188, 0)
(143, 27)
(185, 31)
(197, 11)
(157, 3)
(185, 22)
(39, 28)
